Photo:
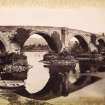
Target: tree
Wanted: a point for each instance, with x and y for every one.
(21, 36)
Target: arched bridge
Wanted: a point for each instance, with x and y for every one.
(12, 38)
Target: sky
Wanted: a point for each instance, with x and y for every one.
(87, 19)
(35, 39)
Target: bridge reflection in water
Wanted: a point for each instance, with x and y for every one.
(40, 84)
(38, 75)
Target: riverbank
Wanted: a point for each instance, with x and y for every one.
(80, 101)
(9, 98)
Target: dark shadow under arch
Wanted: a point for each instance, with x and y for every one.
(101, 45)
(82, 42)
(2, 47)
(101, 42)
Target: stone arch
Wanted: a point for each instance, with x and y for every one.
(53, 40)
(82, 42)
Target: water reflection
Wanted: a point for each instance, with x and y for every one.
(38, 75)
(46, 83)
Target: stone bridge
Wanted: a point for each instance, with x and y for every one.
(12, 38)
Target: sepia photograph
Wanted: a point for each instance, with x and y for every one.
(52, 52)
